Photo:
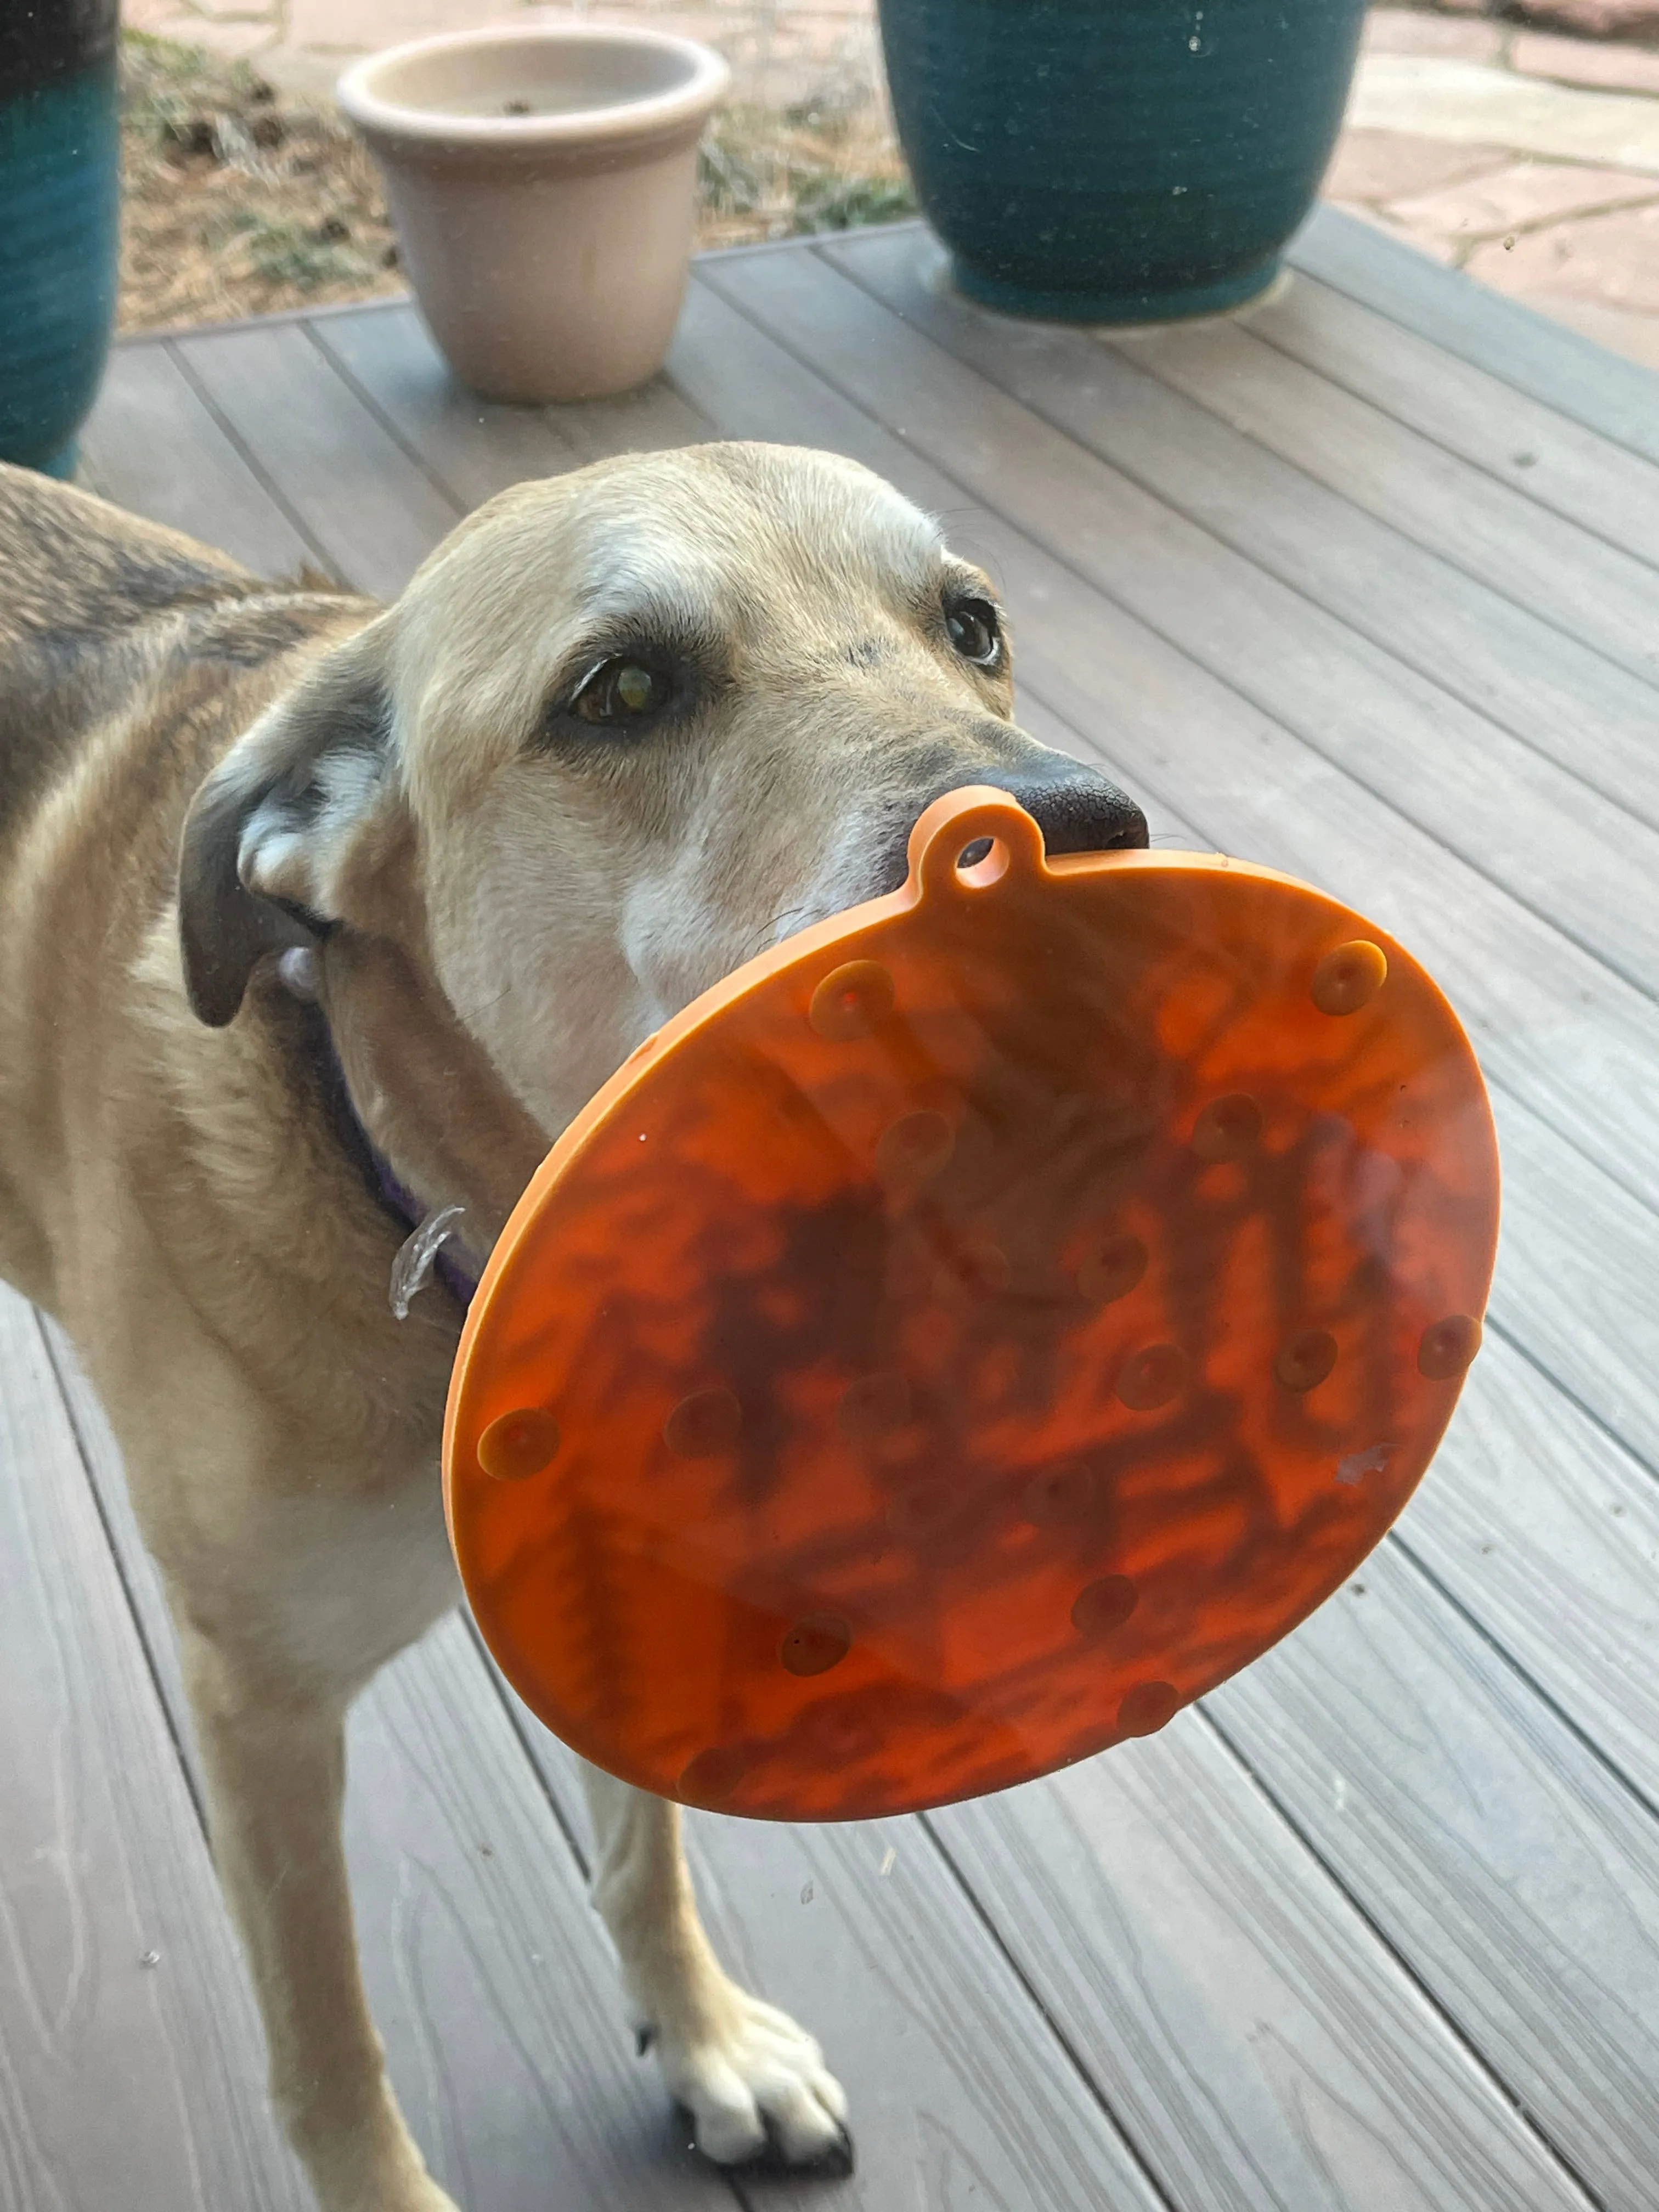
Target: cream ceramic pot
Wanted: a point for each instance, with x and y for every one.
(543, 182)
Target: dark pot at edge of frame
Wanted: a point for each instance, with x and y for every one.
(1118, 160)
(60, 176)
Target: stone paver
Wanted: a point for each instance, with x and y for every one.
(1583, 61)
(1377, 168)
(1470, 103)
(1448, 249)
(1404, 31)
(1590, 19)
(1523, 196)
(1529, 158)
(1606, 260)
(780, 49)
(1636, 335)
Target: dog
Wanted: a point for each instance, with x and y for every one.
(320, 917)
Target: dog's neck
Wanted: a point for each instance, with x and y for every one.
(449, 1262)
(452, 1268)
(413, 1100)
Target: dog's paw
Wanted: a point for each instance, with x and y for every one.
(756, 2086)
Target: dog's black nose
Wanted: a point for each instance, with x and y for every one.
(1076, 809)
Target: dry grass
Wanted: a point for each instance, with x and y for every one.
(240, 203)
(819, 167)
(234, 202)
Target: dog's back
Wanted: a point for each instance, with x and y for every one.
(130, 658)
(86, 593)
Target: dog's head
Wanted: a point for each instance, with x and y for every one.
(625, 729)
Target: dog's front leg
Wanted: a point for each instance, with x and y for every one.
(752, 2080)
(275, 1761)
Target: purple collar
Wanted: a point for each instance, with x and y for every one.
(448, 1263)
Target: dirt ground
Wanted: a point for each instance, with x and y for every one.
(238, 202)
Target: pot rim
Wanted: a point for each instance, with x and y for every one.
(705, 86)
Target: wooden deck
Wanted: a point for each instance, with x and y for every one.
(1365, 585)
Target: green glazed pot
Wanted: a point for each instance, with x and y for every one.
(60, 167)
(1118, 160)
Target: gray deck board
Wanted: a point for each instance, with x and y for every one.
(1221, 426)
(129, 452)
(374, 513)
(1178, 730)
(469, 446)
(1572, 376)
(1275, 817)
(1270, 2052)
(492, 1985)
(1569, 579)
(1515, 1874)
(1567, 852)
(109, 2066)
(1575, 1280)
(1382, 1933)
(1486, 619)
(491, 1980)
(475, 449)
(961, 2092)
(1554, 1552)
(1575, 471)
(1228, 2062)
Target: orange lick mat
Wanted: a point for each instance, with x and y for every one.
(973, 1329)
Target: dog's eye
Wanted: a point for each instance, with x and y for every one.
(622, 690)
(973, 630)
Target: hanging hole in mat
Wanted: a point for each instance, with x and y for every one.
(982, 862)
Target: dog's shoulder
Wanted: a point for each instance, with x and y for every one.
(98, 608)
(131, 658)
(75, 570)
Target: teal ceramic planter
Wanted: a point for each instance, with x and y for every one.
(1118, 160)
(60, 167)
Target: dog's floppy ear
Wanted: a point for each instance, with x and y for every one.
(269, 828)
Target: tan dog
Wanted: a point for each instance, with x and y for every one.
(292, 889)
